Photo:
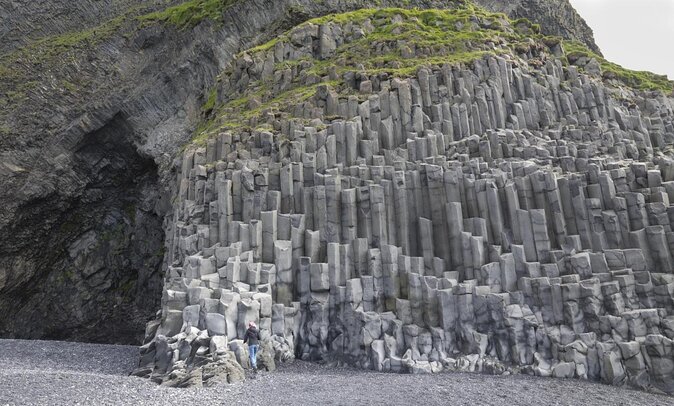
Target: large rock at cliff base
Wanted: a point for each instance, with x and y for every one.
(181, 378)
(222, 372)
(266, 356)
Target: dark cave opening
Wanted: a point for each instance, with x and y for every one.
(124, 262)
(94, 247)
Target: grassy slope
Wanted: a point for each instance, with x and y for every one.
(190, 13)
(448, 35)
(641, 80)
(452, 37)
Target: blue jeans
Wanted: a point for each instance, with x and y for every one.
(252, 354)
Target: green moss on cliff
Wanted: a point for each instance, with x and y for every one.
(237, 114)
(190, 13)
(398, 42)
(92, 35)
(395, 42)
(641, 80)
(422, 38)
(210, 101)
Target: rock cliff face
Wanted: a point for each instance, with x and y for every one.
(89, 123)
(410, 191)
(420, 191)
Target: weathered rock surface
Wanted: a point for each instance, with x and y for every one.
(510, 213)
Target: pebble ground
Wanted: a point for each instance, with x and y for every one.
(60, 373)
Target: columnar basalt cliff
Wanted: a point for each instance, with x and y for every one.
(96, 98)
(421, 191)
(416, 190)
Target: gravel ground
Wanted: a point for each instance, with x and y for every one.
(58, 373)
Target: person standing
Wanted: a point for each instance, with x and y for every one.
(252, 337)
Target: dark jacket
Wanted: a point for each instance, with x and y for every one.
(252, 336)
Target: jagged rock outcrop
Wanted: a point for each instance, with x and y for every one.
(89, 122)
(373, 191)
(555, 17)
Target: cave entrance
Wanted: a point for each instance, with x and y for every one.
(91, 250)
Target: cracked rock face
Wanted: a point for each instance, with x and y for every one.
(508, 213)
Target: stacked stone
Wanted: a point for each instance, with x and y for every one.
(465, 218)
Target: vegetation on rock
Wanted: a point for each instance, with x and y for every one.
(392, 46)
(641, 80)
(190, 13)
(397, 42)
(210, 101)
(453, 36)
(50, 54)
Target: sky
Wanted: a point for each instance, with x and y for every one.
(637, 34)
